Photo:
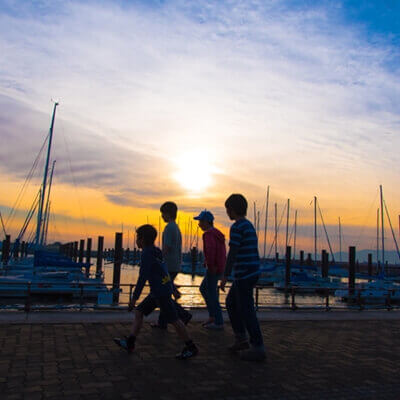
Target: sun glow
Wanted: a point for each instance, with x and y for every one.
(194, 172)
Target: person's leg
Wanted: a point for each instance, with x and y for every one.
(144, 308)
(162, 323)
(248, 313)
(213, 299)
(183, 314)
(234, 313)
(204, 293)
(137, 323)
(169, 309)
(181, 330)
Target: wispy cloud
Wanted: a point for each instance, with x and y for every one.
(291, 96)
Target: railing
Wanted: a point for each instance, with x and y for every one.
(292, 296)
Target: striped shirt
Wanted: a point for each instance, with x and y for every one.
(244, 237)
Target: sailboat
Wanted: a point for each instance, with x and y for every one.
(60, 276)
(382, 288)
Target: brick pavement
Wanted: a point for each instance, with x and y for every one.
(306, 360)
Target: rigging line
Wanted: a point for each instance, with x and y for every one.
(326, 232)
(73, 178)
(24, 186)
(357, 242)
(29, 216)
(2, 224)
(391, 228)
(279, 225)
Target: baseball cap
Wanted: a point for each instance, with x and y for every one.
(205, 216)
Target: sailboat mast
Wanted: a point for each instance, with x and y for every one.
(287, 224)
(315, 228)
(47, 209)
(266, 223)
(377, 237)
(340, 241)
(276, 229)
(382, 227)
(295, 235)
(46, 170)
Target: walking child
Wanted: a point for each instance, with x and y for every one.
(215, 258)
(153, 270)
(172, 254)
(244, 261)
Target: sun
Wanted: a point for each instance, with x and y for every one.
(194, 172)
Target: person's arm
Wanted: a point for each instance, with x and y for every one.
(234, 245)
(143, 277)
(230, 260)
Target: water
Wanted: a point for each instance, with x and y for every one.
(191, 297)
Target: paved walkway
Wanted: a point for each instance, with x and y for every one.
(306, 360)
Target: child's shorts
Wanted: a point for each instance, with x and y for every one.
(165, 303)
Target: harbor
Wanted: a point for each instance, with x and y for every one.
(199, 200)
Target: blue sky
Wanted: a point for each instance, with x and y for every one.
(304, 94)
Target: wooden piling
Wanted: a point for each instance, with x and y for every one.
(117, 266)
(88, 255)
(70, 250)
(309, 259)
(81, 250)
(324, 266)
(16, 249)
(301, 257)
(75, 253)
(287, 271)
(5, 252)
(370, 264)
(277, 257)
(99, 263)
(352, 269)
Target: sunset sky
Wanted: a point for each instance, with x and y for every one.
(191, 101)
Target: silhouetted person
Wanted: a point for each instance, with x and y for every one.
(244, 261)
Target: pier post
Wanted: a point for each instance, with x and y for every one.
(99, 263)
(81, 250)
(301, 257)
(135, 255)
(70, 250)
(277, 257)
(309, 259)
(5, 250)
(370, 264)
(23, 244)
(352, 269)
(117, 266)
(88, 255)
(324, 266)
(16, 249)
(75, 255)
(287, 271)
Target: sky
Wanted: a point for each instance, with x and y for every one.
(191, 101)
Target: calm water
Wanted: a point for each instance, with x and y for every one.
(191, 297)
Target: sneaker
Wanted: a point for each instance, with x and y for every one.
(238, 346)
(253, 355)
(214, 327)
(207, 322)
(187, 352)
(124, 343)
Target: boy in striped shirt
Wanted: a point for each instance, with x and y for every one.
(244, 262)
